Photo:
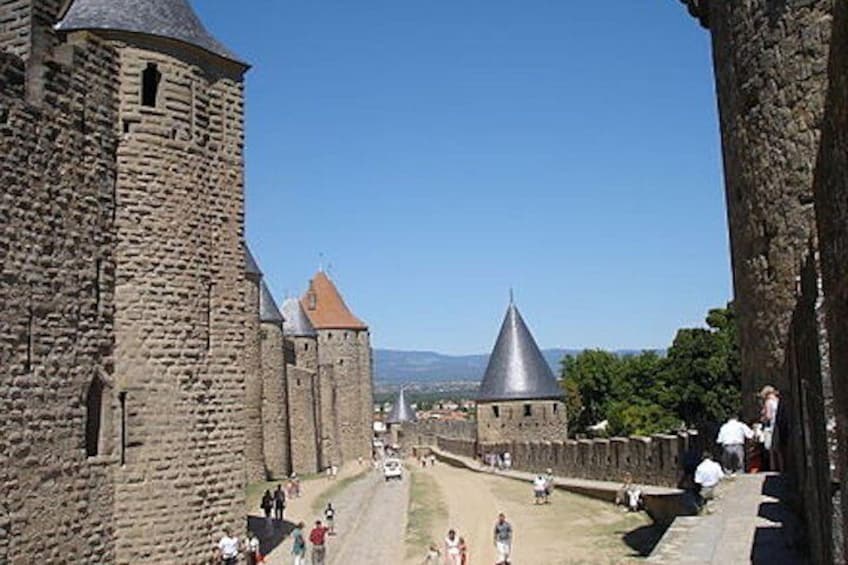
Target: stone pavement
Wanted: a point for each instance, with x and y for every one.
(746, 524)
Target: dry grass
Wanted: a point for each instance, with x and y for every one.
(427, 507)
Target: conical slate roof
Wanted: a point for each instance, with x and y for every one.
(297, 323)
(172, 19)
(517, 370)
(401, 411)
(268, 311)
(251, 267)
(326, 308)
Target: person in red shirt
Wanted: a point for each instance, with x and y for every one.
(318, 538)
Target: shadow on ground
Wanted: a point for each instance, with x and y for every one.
(642, 540)
(271, 533)
(782, 542)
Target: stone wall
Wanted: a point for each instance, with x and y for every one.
(251, 360)
(831, 194)
(57, 172)
(656, 460)
(302, 385)
(275, 413)
(521, 420)
(807, 451)
(328, 414)
(179, 303)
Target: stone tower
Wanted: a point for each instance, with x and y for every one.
(275, 417)
(58, 452)
(400, 414)
(344, 373)
(519, 398)
(179, 270)
(301, 351)
(254, 449)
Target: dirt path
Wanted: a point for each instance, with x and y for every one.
(571, 530)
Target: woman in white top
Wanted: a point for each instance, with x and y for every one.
(772, 439)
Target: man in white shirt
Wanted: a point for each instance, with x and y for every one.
(708, 475)
(731, 437)
(228, 548)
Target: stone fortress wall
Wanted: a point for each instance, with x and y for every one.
(58, 444)
(657, 460)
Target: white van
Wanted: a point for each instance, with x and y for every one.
(392, 469)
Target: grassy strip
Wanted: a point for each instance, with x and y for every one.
(334, 491)
(427, 507)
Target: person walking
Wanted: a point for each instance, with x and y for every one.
(503, 540)
(463, 552)
(279, 502)
(549, 485)
(298, 545)
(318, 539)
(267, 504)
(539, 490)
(228, 548)
(771, 431)
(731, 437)
(251, 549)
(453, 555)
(330, 518)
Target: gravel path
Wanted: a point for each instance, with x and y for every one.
(370, 522)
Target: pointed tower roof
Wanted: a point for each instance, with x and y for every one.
(251, 267)
(326, 308)
(268, 311)
(297, 323)
(172, 19)
(401, 411)
(517, 370)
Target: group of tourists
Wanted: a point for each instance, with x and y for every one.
(229, 547)
(456, 552)
(426, 460)
(275, 502)
(542, 487)
(497, 461)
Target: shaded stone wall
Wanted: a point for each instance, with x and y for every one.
(275, 416)
(521, 420)
(807, 450)
(57, 173)
(831, 194)
(179, 304)
(328, 413)
(302, 419)
(254, 448)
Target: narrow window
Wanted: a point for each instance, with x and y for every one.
(556, 407)
(298, 382)
(528, 410)
(496, 411)
(122, 399)
(329, 336)
(94, 412)
(97, 276)
(341, 362)
(150, 78)
(306, 347)
(30, 337)
(209, 290)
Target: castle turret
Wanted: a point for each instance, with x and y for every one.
(401, 413)
(275, 417)
(344, 358)
(301, 346)
(519, 398)
(179, 263)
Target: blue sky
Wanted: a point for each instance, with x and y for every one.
(440, 152)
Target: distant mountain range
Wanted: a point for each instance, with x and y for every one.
(395, 367)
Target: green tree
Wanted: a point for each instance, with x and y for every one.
(594, 374)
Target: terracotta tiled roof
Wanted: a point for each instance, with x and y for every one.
(326, 307)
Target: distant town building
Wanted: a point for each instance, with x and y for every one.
(519, 398)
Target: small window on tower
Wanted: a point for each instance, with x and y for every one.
(556, 407)
(94, 413)
(528, 410)
(496, 411)
(150, 78)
